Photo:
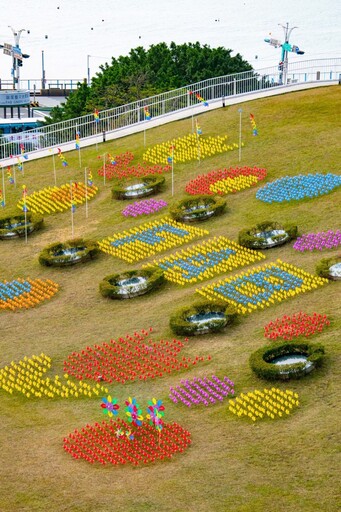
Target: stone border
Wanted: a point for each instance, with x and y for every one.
(71, 252)
(134, 189)
(14, 226)
(198, 208)
(323, 267)
(181, 321)
(150, 279)
(253, 239)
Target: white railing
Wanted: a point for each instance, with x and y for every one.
(214, 90)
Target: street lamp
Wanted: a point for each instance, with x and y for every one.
(17, 55)
(286, 47)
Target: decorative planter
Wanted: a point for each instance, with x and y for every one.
(286, 360)
(267, 235)
(132, 283)
(14, 227)
(145, 186)
(197, 208)
(330, 268)
(202, 318)
(68, 253)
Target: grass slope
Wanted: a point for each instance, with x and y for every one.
(285, 465)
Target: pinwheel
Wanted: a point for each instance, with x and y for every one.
(155, 412)
(110, 406)
(133, 412)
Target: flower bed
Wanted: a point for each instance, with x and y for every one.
(266, 235)
(131, 283)
(202, 391)
(330, 268)
(295, 188)
(271, 403)
(145, 207)
(58, 199)
(197, 209)
(148, 239)
(201, 318)
(188, 148)
(206, 260)
(28, 378)
(129, 358)
(15, 226)
(299, 324)
(262, 286)
(60, 254)
(102, 443)
(224, 181)
(270, 362)
(119, 167)
(26, 293)
(131, 189)
(318, 241)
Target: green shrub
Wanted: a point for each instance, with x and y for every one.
(247, 237)
(54, 254)
(201, 207)
(323, 266)
(14, 225)
(109, 287)
(150, 184)
(181, 325)
(261, 360)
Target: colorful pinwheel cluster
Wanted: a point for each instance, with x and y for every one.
(267, 403)
(295, 188)
(130, 358)
(223, 181)
(104, 443)
(143, 207)
(148, 239)
(204, 261)
(58, 199)
(202, 391)
(118, 167)
(186, 149)
(26, 293)
(26, 377)
(262, 286)
(299, 324)
(318, 241)
(110, 406)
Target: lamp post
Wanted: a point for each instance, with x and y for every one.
(43, 79)
(88, 68)
(17, 55)
(285, 48)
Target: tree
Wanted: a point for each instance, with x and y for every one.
(144, 73)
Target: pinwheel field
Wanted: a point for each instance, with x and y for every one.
(207, 434)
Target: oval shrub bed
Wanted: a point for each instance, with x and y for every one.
(266, 235)
(197, 208)
(138, 187)
(60, 254)
(330, 268)
(269, 362)
(202, 317)
(14, 226)
(131, 283)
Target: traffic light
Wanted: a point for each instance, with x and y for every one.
(19, 61)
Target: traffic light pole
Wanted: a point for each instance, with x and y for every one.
(17, 56)
(285, 48)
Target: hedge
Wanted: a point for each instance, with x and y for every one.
(109, 287)
(248, 238)
(323, 266)
(53, 255)
(261, 360)
(151, 184)
(180, 324)
(201, 207)
(33, 223)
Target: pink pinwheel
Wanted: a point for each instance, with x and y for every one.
(110, 406)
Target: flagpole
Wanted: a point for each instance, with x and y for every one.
(144, 136)
(14, 177)
(54, 168)
(172, 170)
(240, 133)
(104, 170)
(25, 211)
(86, 192)
(3, 186)
(71, 208)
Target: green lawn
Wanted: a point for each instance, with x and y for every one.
(287, 465)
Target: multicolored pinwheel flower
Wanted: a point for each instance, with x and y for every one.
(110, 406)
(133, 412)
(155, 411)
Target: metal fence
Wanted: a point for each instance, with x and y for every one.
(212, 90)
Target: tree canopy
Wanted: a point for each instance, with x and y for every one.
(144, 73)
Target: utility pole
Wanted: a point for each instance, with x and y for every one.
(285, 47)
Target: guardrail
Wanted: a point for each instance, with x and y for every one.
(163, 107)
